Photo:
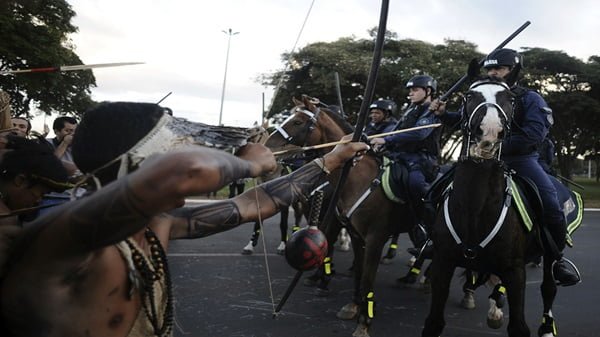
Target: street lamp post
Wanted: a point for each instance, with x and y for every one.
(229, 33)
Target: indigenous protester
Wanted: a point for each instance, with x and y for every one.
(98, 265)
(520, 149)
(382, 117)
(28, 170)
(64, 129)
(22, 126)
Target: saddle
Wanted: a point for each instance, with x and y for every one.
(394, 180)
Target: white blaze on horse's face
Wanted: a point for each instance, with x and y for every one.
(491, 125)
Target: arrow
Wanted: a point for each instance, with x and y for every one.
(68, 68)
(320, 146)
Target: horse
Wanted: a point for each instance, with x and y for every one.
(260, 136)
(478, 226)
(362, 199)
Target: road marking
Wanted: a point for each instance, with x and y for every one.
(216, 254)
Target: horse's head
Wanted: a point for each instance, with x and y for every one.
(301, 128)
(489, 106)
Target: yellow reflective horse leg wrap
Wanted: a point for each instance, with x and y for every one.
(554, 329)
(370, 305)
(327, 265)
(502, 289)
(415, 271)
(393, 246)
(295, 229)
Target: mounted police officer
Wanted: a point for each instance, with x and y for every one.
(382, 117)
(417, 149)
(531, 124)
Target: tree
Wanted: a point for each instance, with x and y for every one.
(34, 33)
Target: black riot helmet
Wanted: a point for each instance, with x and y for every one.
(385, 105)
(503, 57)
(423, 81)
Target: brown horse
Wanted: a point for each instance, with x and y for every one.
(478, 225)
(362, 200)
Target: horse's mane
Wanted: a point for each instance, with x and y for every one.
(337, 118)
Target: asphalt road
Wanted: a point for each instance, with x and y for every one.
(220, 292)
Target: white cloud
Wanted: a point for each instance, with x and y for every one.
(184, 47)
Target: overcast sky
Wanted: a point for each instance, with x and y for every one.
(184, 48)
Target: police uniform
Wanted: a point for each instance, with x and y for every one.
(418, 149)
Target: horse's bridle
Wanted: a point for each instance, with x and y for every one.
(308, 127)
(505, 121)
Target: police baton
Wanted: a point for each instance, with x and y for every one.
(471, 71)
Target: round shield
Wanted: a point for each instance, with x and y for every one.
(306, 248)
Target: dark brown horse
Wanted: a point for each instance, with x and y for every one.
(478, 225)
(363, 207)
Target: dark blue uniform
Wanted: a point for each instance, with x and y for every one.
(530, 127)
(377, 128)
(418, 149)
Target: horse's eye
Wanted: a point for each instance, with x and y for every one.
(297, 122)
(468, 96)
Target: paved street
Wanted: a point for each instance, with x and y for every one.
(220, 292)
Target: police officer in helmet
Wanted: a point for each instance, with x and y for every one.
(382, 117)
(520, 150)
(418, 149)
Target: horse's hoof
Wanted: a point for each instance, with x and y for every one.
(281, 248)
(361, 331)
(348, 312)
(249, 249)
(495, 323)
(468, 301)
(548, 327)
(322, 292)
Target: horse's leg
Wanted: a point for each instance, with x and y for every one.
(298, 213)
(249, 248)
(373, 249)
(322, 276)
(350, 310)
(392, 249)
(283, 227)
(548, 287)
(514, 280)
(441, 271)
(468, 300)
(495, 316)
(414, 271)
(345, 240)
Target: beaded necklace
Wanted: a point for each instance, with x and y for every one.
(151, 271)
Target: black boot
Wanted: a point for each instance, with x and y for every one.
(565, 273)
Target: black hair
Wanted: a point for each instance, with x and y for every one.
(109, 130)
(59, 122)
(24, 119)
(34, 160)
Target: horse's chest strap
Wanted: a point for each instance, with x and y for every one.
(471, 252)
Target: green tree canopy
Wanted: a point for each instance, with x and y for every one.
(571, 86)
(35, 33)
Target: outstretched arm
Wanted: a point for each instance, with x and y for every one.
(264, 200)
(125, 206)
(270, 197)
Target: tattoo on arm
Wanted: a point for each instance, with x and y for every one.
(233, 168)
(209, 219)
(107, 217)
(295, 186)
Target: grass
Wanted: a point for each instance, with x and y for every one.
(591, 193)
